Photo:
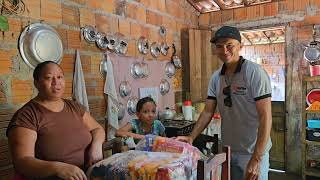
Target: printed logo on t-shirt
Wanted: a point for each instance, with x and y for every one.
(239, 89)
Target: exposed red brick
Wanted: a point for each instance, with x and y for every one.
(67, 63)
(124, 27)
(33, 9)
(6, 60)
(73, 39)
(21, 90)
(87, 17)
(51, 11)
(70, 16)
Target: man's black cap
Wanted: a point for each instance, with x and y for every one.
(226, 32)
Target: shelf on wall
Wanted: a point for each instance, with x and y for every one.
(312, 172)
(312, 142)
(309, 78)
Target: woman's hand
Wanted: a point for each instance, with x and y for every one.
(95, 154)
(68, 171)
(187, 139)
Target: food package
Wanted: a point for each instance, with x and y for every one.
(167, 159)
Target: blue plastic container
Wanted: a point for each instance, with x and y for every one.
(313, 123)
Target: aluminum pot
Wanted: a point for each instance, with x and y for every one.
(124, 89)
(89, 34)
(312, 52)
(38, 43)
(167, 114)
(143, 45)
(102, 41)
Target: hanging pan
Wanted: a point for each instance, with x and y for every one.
(312, 51)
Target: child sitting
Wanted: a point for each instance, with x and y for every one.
(146, 122)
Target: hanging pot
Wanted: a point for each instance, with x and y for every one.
(312, 52)
(90, 34)
(136, 70)
(121, 45)
(143, 45)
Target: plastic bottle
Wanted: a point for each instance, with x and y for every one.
(187, 110)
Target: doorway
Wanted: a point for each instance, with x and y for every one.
(267, 47)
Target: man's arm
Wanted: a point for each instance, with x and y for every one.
(202, 122)
(265, 118)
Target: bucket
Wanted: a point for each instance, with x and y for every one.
(314, 70)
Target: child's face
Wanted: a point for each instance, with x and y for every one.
(147, 113)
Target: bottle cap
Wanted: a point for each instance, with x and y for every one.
(187, 103)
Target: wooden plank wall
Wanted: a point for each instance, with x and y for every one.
(201, 63)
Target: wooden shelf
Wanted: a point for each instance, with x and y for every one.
(312, 172)
(309, 78)
(312, 142)
(311, 111)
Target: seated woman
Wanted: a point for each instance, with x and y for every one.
(51, 137)
(146, 122)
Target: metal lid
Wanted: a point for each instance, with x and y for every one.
(38, 43)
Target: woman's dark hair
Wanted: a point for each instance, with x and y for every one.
(142, 101)
(37, 71)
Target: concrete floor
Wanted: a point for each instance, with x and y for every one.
(283, 176)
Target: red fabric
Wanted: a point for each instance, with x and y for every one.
(19, 177)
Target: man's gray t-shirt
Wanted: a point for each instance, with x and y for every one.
(239, 124)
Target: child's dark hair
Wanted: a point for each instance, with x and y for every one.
(142, 101)
(37, 71)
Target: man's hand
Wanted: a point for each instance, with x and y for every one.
(187, 139)
(68, 171)
(253, 168)
(95, 154)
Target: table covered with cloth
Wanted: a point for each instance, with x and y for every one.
(155, 158)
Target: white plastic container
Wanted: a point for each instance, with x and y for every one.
(187, 110)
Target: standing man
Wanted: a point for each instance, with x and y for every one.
(242, 91)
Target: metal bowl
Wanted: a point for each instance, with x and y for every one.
(89, 34)
(124, 89)
(143, 45)
(103, 67)
(155, 49)
(170, 70)
(131, 105)
(38, 43)
(145, 69)
(164, 86)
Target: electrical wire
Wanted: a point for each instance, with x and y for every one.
(13, 6)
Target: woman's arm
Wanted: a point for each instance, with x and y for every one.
(98, 138)
(22, 145)
(125, 131)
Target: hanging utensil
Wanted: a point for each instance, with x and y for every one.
(112, 42)
(103, 67)
(102, 40)
(131, 105)
(155, 49)
(38, 43)
(164, 86)
(89, 34)
(143, 45)
(312, 52)
(124, 89)
(136, 70)
(164, 48)
(121, 45)
(170, 69)
(121, 111)
(175, 59)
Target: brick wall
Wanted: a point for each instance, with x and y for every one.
(298, 17)
(133, 18)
